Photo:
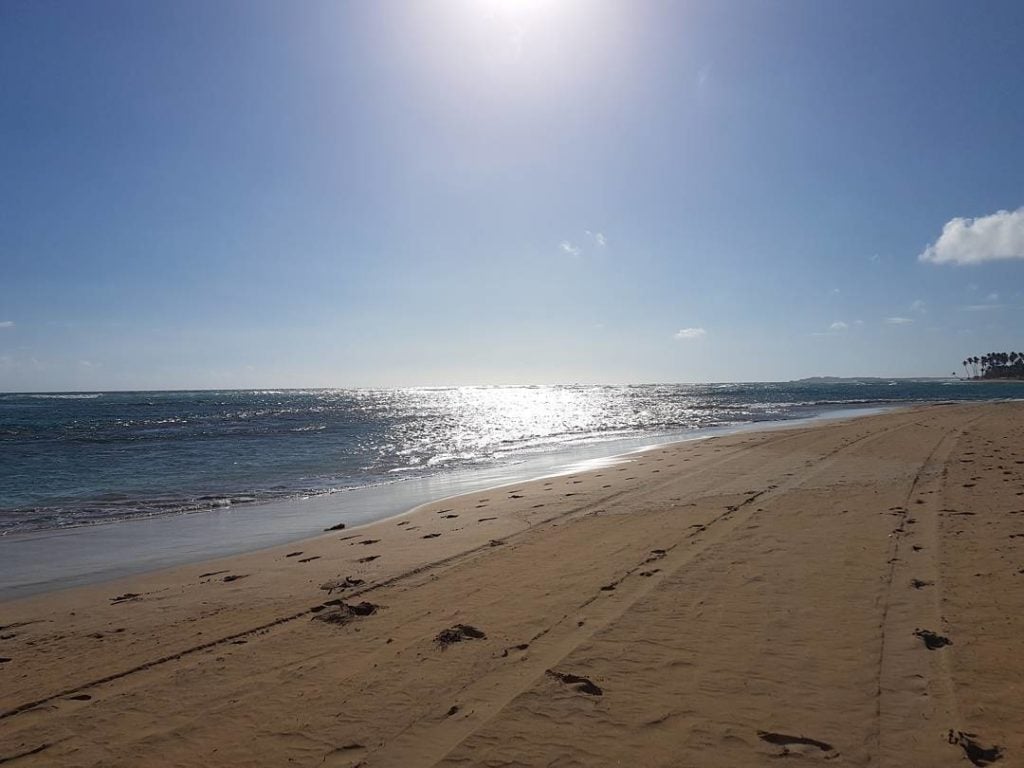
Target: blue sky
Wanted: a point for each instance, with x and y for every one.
(215, 194)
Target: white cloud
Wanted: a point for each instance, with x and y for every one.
(897, 320)
(919, 306)
(691, 333)
(6, 323)
(599, 239)
(702, 76)
(835, 328)
(980, 307)
(991, 302)
(973, 241)
(569, 248)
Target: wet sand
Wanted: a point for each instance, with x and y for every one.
(850, 593)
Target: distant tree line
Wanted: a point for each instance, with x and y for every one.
(995, 365)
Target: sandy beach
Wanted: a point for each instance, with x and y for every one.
(846, 594)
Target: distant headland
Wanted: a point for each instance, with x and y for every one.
(868, 379)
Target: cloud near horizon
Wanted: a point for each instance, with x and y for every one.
(691, 333)
(974, 241)
(569, 248)
(838, 325)
(898, 320)
(6, 323)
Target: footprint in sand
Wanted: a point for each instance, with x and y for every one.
(352, 747)
(520, 647)
(457, 634)
(932, 641)
(339, 584)
(973, 751)
(581, 684)
(343, 613)
(785, 741)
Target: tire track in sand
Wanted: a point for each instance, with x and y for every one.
(425, 743)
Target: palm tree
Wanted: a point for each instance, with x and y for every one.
(995, 365)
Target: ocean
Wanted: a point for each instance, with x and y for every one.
(87, 458)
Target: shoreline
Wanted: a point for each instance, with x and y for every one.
(51, 559)
(846, 591)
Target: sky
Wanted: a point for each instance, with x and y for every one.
(201, 194)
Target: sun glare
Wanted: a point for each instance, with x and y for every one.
(519, 10)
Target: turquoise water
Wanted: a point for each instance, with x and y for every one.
(78, 459)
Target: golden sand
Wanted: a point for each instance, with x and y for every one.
(844, 594)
